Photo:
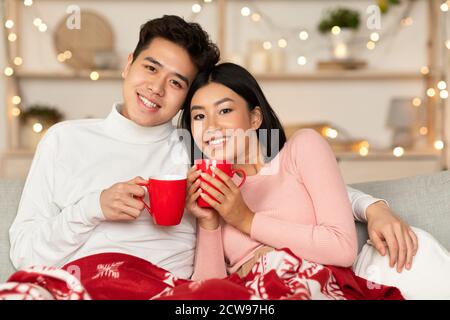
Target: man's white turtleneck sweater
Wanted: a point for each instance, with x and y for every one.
(60, 219)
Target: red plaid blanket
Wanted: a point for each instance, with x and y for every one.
(277, 275)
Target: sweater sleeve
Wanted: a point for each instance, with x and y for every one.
(332, 240)
(360, 202)
(43, 233)
(209, 255)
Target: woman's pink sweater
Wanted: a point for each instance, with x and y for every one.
(300, 202)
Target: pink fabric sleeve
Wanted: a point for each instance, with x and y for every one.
(332, 240)
(209, 255)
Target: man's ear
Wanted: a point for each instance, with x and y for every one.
(256, 118)
(128, 66)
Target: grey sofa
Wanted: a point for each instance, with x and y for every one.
(422, 201)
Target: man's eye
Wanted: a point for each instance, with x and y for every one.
(176, 83)
(199, 117)
(151, 68)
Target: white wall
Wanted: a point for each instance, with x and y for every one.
(2, 90)
(358, 106)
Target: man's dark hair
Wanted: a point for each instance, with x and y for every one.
(188, 35)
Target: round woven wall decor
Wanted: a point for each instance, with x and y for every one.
(94, 36)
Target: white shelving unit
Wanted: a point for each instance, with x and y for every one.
(16, 160)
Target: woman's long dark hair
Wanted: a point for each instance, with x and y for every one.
(244, 84)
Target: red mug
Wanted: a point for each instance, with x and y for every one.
(205, 166)
(167, 195)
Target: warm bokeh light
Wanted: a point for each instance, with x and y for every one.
(335, 30)
(256, 17)
(267, 45)
(42, 27)
(417, 102)
(424, 70)
(67, 54)
(303, 35)
(18, 61)
(245, 11)
(370, 45)
(363, 151)
(374, 36)
(9, 71)
(37, 22)
(9, 24)
(61, 57)
(301, 60)
(16, 112)
(12, 37)
(94, 75)
(330, 133)
(282, 43)
(16, 100)
(37, 127)
(423, 131)
(431, 92)
(398, 152)
(196, 8)
(439, 144)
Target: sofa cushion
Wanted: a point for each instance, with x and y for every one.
(422, 201)
(10, 192)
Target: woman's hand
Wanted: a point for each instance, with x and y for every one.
(207, 218)
(230, 204)
(384, 225)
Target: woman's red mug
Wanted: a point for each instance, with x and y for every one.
(167, 195)
(205, 166)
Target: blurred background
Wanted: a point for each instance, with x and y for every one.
(370, 76)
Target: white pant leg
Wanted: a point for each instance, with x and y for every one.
(429, 277)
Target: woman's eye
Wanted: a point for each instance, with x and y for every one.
(226, 110)
(198, 117)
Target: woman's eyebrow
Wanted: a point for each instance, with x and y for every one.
(218, 102)
(223, 100)
(197, 108)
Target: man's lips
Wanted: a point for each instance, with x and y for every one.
(148, 103)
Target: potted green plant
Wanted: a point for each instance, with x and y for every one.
(43, 113)
(341, 24)
(35, 121)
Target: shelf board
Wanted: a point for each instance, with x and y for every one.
(376, 155)
(74, 75)
(306, 76)
(386, 155)
(366, 74)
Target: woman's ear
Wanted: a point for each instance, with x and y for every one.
(127, 67)
(256, 118)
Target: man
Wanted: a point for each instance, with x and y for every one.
(79, 198)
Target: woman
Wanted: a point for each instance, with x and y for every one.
(305, 206)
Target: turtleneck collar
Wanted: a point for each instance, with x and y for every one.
(123, 129)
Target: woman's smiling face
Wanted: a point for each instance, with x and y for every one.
(219, 120)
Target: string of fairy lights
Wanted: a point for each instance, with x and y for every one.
(287, 35)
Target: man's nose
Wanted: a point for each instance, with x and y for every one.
(156, 86)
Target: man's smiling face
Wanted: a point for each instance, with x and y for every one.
(156, 83)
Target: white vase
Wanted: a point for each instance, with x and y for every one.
(340, 44)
